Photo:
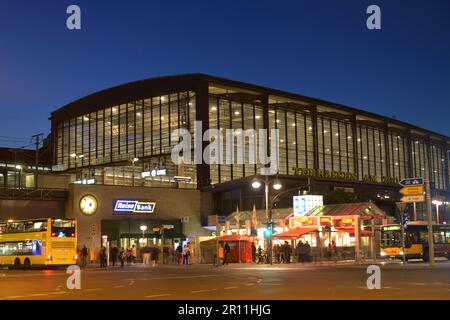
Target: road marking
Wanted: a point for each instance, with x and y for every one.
(159, 295)
(120, 286)
(419, 283)
(95, 289)
(13, 297)
(271, 284)
(57, 292)
(131, 283)
(38, 294)
(229, 288)
(249, 284)
(205, 290)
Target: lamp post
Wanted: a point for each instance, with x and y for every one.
(76, 156)
(143, 228)
(276, 185)
(437, 203)
(19, 167)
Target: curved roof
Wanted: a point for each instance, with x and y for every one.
(190, 82)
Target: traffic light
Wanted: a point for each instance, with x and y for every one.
(269, 229)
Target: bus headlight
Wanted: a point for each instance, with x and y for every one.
(402, 253)
(75, 257)
(382, 253)
(49, 257)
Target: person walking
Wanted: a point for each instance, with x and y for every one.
(122, 255)
(226, 254)
(114, 252)
(253, 252)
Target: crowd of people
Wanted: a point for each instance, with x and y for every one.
(147, 255)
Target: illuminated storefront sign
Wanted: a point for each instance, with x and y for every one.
(134, 206)
(344, 222)
(303, 204)
(297, 222)
(325, 221)
(154, 173)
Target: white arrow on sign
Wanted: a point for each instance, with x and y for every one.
(419, 198)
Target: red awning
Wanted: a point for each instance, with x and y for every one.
(364, 233)
(294, 233)
(235, 237)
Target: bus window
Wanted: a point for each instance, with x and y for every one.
(391, 238)
(411, 238)
(63, 228)
(439, 237)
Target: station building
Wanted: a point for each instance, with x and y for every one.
(112, 149)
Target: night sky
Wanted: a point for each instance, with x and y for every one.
(316, 48)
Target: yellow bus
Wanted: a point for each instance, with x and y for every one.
(416, 241)
(41, 242)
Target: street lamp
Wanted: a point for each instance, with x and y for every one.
(256, 184)
(19, 167)
(143, 228)
(437, 203)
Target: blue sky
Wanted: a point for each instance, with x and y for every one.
(316, 48)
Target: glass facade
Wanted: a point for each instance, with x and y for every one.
(103, 144)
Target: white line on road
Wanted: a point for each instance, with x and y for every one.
(229, 288)
(119, 286)
(13, 297)
(205, 290)
(249, 284)
(159, 295)
(38, 294)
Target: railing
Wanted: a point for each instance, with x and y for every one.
(33, 194)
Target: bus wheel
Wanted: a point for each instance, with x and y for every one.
(27, 264)
(17, 263)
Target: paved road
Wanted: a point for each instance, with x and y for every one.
(234, 282)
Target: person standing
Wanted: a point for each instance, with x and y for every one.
(102, 257)
(186, 254)
(146, 255)
(179, 253)
(165, 255)
(114, 253)
(253, 252)
(84, 256)
(133, 254)
(128, 252)
(226, 253)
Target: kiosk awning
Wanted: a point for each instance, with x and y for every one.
(294, 233)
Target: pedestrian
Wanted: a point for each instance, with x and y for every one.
(114, 252)
(226, 254)
(165, 255)
(220, 255)
(287, 252)
(179, 253)
(282, 253)
(260, 255)
(334, 250)
(133, 254)
(186, 254)
(146, 255)
(253, 252)
(277, 251)
(122, 255)
(128, 256)
(102, 257)
(84, 256)
(329, 251)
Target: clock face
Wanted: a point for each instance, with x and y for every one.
(88, 205)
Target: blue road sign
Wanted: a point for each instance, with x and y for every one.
(411, 182)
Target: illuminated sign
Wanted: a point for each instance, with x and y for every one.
(391, 228)
(297, 222)
(154, 173)
(304, 204)
(325, 221)
(344, 223)
(134, 206)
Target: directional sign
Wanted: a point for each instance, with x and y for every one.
(411, 182)
(415, 190)
(420, 198)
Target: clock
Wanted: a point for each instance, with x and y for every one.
(88, 205)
